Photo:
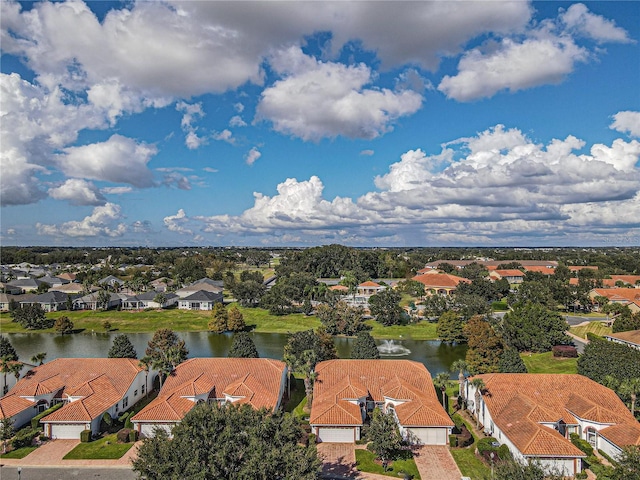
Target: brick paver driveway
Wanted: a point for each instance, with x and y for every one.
(435, 461)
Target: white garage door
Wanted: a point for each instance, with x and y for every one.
(429, 436)
(67, 430)
(147, 429)
(336, 435)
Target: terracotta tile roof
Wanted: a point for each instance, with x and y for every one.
(576, 268)
(101, 382)
(606, 282)
(622, 434)
(540, 269)
(435, 280)
(617, 294)
(519, 403)
(257, 380)
(369, 284)
(632, 336)
(340, 288)
(630, 279)
(510, 273)
(339, 381)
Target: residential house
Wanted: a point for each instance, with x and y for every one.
(511, 275)
(204, 284)
(543, 269)
(630, 338)
(534, 415)
(5, 300)
(200, 300)
(52, 281)
(489, 264)
(162, 284)
(606, 282)
(259, 382)
(148, 300)
(346, 392)
(369, 288)
(90, 301)
(437, 283)
(111, 281)
(68, 276)
(625, 296)
(49, 301)
(628, 280)
(88, 387)
(24, 284)
(68, 288)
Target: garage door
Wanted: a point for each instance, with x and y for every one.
(147, 429)
(429, 436)
(336, 435)
(67, 430)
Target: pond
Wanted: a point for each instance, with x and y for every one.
(435, 355)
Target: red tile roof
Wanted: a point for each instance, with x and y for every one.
(519, 403)
(257, 380)
(510, 273)
(101, 382)
(369, 284)
(632, 336)
(436, 280)
(540, 269)
(339, 381)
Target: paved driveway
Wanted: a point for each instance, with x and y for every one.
(435, 461)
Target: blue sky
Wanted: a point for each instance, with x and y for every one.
(299, 124)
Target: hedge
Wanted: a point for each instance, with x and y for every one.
(35, 421)
(582, 444)
(602, 358)
(484, 445)
(85, 436)
(453, 441)
(133, 436)
(24, 437)
(565, 351)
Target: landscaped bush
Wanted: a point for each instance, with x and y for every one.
(583, 445)
(133, 436)
(311, 438)
(453, 441)
(128, 423)
(24, 437)
(35, 421)
(85, 436)
(123, 418)
(484, 445)
(504, 453)
(106, 418)
(581, 476)
(604, 454)
(565, 351)
(123, 435)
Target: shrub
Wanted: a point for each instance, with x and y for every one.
(133, 436)
(123, 435)
(582, 445)
(24, 437)
(581, 476)
(453, 441)
(504, 453)
(107, 419)
(123, 418)
(565, 351)
(128, 424)
(484, 445)
(85, 436)
(312, 438)
(35, 421)
(604, 454)
(43, 437)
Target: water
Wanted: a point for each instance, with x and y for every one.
(436, 356)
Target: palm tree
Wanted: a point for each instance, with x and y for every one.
(15, 368)
(631, 387)
(442, 381)
(5, 365)
(479, 385)
(461, 367)
(38, 358)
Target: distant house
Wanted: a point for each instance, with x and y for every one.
(544, 270)
(512, 276)
(367, 289)
(148, 300)
(631, 280)
(204, 284)
(90, 301)
(200, 300)
(24, 284)
(49, 301)
(624, 296)
(69, 288)
(111, 281)
(88, 388)
(259, 382)
(5, 300)
(162, 284)
(534, 415)
(52, 281)
(346, 391)
(630, 338)
(68, 276)
(436, 283)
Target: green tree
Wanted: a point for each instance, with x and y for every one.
(628, 464)
(235, 319)
(341, 319)
(229, 443)
(450, 328)
(243, 346)
(385, 306)
(602, 357)
(485, 346)
(107, 326)
(218, 323)
(165, 351)
(631, 388)
(479, 385)
(364, 347)
(38, 358)
(511, 362)
(31, 317)
(248, 293)
(103, 299)
(63, 325)
(532, 327)
(6, 350)
(512, 469)
(160, 299)
(626, 323)
(384, 436)
(441, 381)
(122, 348)
(461, 367)
(6, 431)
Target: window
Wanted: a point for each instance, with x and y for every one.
(125, 402)
(195, 306)
(142, 389)
(135, 393)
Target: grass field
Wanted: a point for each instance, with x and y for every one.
(105, 448)
(599, 328)
(18, 453)
(547, 363)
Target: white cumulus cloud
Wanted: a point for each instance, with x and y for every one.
(581, 20)
(253, 155)
(104, 221)
(78, 192)
(627, 122)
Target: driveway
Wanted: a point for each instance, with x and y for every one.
(435, 461)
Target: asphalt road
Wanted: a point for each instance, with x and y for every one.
(71, 473)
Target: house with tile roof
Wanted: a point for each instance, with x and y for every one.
(347, 391)
(369, 288)
(534, 414)
(630, 338)
(625, 296)
(88, 388)
(511, 275)
(438, 283)
(259, 382)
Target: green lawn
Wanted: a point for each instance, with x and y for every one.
(599, 328)
(547, 363)
(105, 448)
(298, 399)
(365, 463)
(19, 453)
(468, 463)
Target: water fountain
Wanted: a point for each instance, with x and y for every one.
(388, 348)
